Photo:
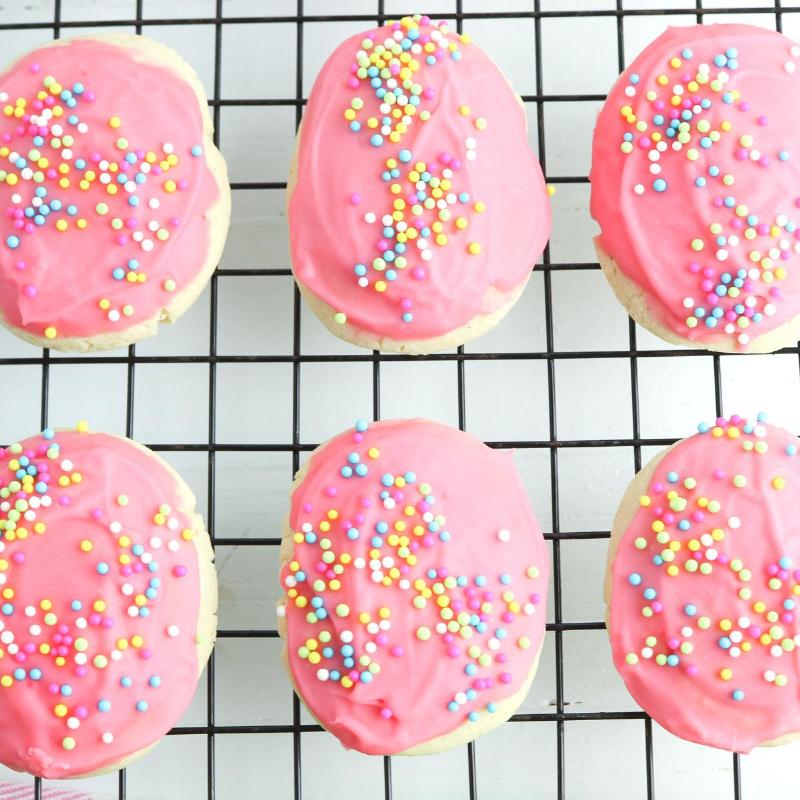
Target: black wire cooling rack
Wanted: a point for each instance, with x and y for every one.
(560, 716)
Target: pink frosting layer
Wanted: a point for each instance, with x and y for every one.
(123, 267)
(99, 599)
(415, 599)
(705, 585)
(705, 221)
(401, 277)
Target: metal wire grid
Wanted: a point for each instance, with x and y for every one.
(550, 355)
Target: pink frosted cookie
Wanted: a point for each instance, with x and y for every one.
(696, 188)
(703, 582)
(107, 602)
(416, 207)
(116, 202)
(415, 576)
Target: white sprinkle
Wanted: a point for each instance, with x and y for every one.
(107, 737)
(168, 148)
(790, 67)
(173, 631)
(638, 189)
(504, 535)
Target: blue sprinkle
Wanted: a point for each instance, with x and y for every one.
(155, 681)
(737, 695)
(404, 156)
(126, 682)
(12, 241)
(142, 705)
(103, 705)
(376, 140)
(690, 609)
(634, 579)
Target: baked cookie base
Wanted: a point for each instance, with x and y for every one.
(466, 731)
(638, 305)
(153, 53)
(622, 521)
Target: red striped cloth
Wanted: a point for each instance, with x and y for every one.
(24, 791)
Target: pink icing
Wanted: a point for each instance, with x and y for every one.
(666, 241)
(467, 518)
(55, 569)
(340, 247)
(732, 602)
(53, 283)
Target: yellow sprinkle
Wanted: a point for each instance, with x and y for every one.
(50, 332)
(473, 248)
(464, 111)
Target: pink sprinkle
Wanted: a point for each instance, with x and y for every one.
(692, 671)
(358, 437)
(88, 96)
(505, 677)
(764, 161)
(145, 653)
(382, 640)
(330, 491)
(175, 222)
(428, 93)
(418, 273)
(63, 500)
(34, 68)
(18, 557)
(352, 82)
(741, 154)
(386, 713)
(355, 198)
(97, 513)
(183, 184)
(180, 571)
(81, 712)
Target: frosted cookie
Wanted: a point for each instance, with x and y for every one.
(415, 577)
(108, 600)
(695, 187)
(416, 207)
(703, 582)
(116, 201)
